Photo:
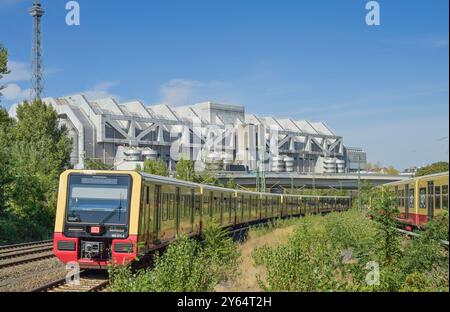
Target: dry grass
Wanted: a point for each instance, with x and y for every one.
(246, 278)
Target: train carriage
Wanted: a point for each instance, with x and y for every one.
(420, 199)
(106, 217)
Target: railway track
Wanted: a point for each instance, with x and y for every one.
(88, 282)
(21, 253)
(413, 234)
(24, 246)
(25, 253)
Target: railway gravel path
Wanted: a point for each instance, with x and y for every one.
(31, 275)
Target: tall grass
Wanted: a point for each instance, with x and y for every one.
(336, 253)
(186, 266)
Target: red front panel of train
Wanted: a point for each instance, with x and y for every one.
(67, 250)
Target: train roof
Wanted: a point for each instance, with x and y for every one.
(434, 175)
(182, 183)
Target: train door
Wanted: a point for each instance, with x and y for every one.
(430, 200)
(404, 201)
(177, 208)
(227, 208)
(235, 213)
(142, 233)
(156, 212)
(412, 202)
(147, 217)
(437, 197)
(208, 201)
(445, 197)
(197, 213)
(239, 211)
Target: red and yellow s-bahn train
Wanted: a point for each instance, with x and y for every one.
(420, 199)
(106, 217)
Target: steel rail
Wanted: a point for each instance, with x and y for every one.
(25, 244)
(20, 249)
(24, 261)
(86, 285)
(22, 253)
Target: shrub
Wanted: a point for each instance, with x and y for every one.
(186, 266)
(333, 253)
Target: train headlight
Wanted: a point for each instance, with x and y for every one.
(66, 246)
(123, 247)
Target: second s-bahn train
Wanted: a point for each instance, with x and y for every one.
(114, 217)
(421, 199)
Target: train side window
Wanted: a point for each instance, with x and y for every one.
(423, 197)
(172, 206)
(445, 197)
(437, 197)
(205, 206)
(411, 198)
(165, 203)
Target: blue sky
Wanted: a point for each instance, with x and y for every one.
(384, 88)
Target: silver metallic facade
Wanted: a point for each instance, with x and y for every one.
(222, 136)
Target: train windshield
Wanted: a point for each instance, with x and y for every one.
(98, 199)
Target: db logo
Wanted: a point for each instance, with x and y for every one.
(95, 230)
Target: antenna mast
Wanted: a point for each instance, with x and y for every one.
(37, 11)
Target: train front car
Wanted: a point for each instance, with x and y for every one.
(96, 218)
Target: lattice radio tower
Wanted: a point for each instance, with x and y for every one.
(37, 11)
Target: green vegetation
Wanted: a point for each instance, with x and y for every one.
(438, 167)
(231, 184)
(185, 170)
(318, 192)
(34, 150)
(3, 65)
(187, 265)
(96, 164)
(158, 167)
(207, 176)
(377, 167)
(342, 251)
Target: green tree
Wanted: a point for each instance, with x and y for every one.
(95, 164)
(38, 151)
(207, 177)
(385, 213)
(3, 64)
(38, 123)
(4, 178)
(437, 167)
(5, 127)
(231, 184)
(157, 167)
(392, 171)
(185, 170)
(5, 122)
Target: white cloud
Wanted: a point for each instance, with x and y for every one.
(101, 90)
(178, 92)
(13, 92)
(20, 71)
(439, 42)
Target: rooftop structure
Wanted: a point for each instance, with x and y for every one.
(222, 136)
